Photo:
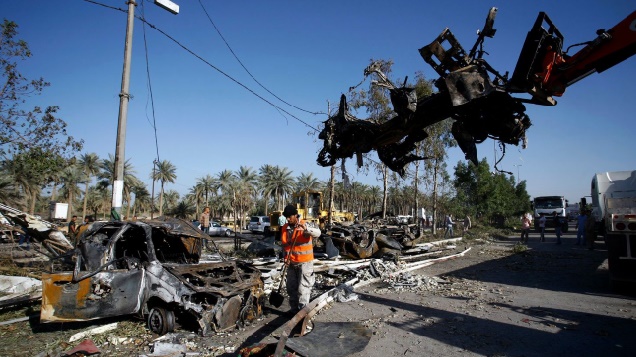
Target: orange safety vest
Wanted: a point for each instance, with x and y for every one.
(303, 251)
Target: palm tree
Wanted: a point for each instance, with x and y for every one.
(166, 172)
(8, 191)
(195, 195)
(107, 175)
(24, 179)
(171, 198)
(183, 209)
(246, 189)
(307, 182)
(207, 186)
(223, 182)
(279, 182)
(90, 164)
(71, 176)
(142, 198)
(267, 190)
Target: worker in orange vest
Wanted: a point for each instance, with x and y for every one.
(298, 249)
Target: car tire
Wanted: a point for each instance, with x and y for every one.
(228, 233)
(161, 320)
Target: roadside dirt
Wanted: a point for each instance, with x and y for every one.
(549, 300)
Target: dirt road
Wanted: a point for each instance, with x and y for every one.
(551, 300)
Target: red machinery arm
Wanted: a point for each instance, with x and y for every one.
(544, 70)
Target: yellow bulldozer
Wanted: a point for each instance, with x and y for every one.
(310, 207)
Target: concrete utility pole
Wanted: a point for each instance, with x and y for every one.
(124, 97)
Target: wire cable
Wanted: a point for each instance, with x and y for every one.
(152, 101)
(208, 63)
(245, 68)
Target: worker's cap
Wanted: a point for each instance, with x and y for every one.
(289, 211)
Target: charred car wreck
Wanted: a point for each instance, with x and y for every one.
(151, 269)
(362, 241)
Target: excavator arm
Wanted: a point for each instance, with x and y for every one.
(545, 70)
(472, 93)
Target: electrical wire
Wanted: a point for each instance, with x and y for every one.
(245, 68)
(208, 63)
(152, 101)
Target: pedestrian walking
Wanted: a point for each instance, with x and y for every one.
(449, 226)
(542, 221)
(525, 228)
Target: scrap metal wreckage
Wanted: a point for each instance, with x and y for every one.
(471, 92)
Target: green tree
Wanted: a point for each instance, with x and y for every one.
(71, 177)
(166, 172)
(184, 209)
(90, 164)
(37, 129)
(143, 200)
(107, 177)
(171, 199)
(376, 102)
(278, 182)
(307, 182)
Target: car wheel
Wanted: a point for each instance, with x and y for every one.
(161, 320)
(228, 233)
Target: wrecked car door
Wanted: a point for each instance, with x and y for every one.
(108, 279)
(105, 294)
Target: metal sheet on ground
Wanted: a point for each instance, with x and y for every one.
(332, 339)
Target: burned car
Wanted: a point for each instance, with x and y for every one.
(151, 269)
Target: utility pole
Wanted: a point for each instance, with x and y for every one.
(124, 98)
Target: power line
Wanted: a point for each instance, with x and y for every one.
(245, 68)
(152, 101)
(208, 63)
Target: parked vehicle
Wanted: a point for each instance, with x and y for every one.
(614, 201)
(259, 224)
(546, 206)
(216, 229)
(612, 184)
(151, 269)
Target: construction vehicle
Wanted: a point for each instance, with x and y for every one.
(309, 204)
(471, 92)
(547, 206)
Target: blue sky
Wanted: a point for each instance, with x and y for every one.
(307, 53)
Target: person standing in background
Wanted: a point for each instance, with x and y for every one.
(449, 226)
(542, 227)
(467, 224)
(72, 230)
(204, 220)
(296, 239)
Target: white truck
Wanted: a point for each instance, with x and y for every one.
(547, 206)
(614, 205)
